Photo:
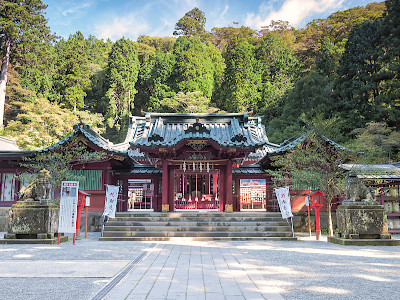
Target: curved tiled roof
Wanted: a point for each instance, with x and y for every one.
(227, 130)
(293, 143)
(96, 139)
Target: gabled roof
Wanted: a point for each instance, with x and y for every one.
(96, 139)
(292, 143)
(248, 169)
(374, 171)
(260, 153)
(227, 130)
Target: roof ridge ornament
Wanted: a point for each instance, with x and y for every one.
(155, 138)
(239, 138)
(197, 127)
(81, 125)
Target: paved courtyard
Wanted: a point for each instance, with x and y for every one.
(183, 269)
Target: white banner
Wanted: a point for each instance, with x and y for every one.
(282, 194)
(68, 207)
(110, 205)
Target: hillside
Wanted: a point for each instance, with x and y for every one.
(340, 71)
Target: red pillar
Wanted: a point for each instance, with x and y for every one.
(215, 183)
(125, 195)
(78, 221)
(317, 223)
(171, 188)
(228, 184)
(236, 197)
(221, 188)
(164, 199)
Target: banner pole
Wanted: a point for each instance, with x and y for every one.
(86, 223)
(291, 219)
(309, 220)
(58, 238)
(73, 239)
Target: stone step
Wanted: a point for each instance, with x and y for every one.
(197, 219)
(196, 225)
(247, 238)
(147, 227)
(195, 234)
(177, 223)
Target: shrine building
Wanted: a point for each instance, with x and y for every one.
(169, 162)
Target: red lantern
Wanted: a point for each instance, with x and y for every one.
(316, 199)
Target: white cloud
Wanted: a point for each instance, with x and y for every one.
(129, 26)
(218, 17)
(222, 15)
(75, 8)
(293, 11)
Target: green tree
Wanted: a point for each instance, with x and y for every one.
(39, 123)
(192, 25)
(279, 71)
(336, 27)
(227, 38)
(242, 79)
(21, 22)
(378, 143)
(328, 58)
(357, 85)
(191, 102)
(98, 52)
(310, 98)
(147, 46)
(194, 70)
(283, 30)
(72, 78)
(313, 161)
(155, 82)
(218, 67)
(163, 44)
(122, 74)
(388, 101)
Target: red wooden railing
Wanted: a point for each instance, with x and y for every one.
(204, 202)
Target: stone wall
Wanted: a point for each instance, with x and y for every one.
(4, 218)
(300, 221)
(93, 220)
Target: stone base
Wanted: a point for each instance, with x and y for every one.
(33, 241)
(361, 221)
(11, 238)
(165, 208)
(32, 222)
(363, 242)
(228, 207)
(32, 218)
(362, 224)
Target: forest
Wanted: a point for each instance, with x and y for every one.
(338, 75)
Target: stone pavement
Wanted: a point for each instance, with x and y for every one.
(194, 271)
(184, 269)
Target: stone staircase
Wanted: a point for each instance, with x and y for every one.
(196, 225)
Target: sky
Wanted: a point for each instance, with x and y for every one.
(130, 18)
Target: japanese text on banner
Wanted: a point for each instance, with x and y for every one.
(282, 194)
(111, 200)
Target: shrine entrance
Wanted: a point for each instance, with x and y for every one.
(196, 190)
